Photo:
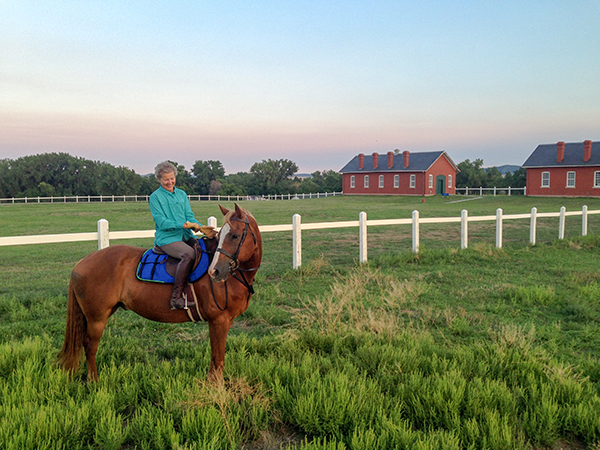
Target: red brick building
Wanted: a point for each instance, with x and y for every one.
(564, 170)
(422, 174)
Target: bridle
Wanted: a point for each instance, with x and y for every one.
(233, 258)
(234, 265)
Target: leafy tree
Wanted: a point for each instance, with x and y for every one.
(117, 180)
(471, 174)
(517, 179)
(273, 177)
(206, 172)
(237, 184)
(328, 181)
(493, 177)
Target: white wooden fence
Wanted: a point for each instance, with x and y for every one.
(144, 198)
(491, 191)
(104, 236)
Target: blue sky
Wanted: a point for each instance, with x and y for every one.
(317, 82)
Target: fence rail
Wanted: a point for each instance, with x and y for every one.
(104, 236)
(492, 191)
(144, 198)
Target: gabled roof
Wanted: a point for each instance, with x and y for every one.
(418, 162)
(545, 156)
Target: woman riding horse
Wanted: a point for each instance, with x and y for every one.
(105, 281)
(174, 222)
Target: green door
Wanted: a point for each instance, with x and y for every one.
(440, 184)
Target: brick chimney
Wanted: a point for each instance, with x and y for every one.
(390, 159)
(587, 150)
(375, 160)
(361, 160)
(406, 155)
(560, 151)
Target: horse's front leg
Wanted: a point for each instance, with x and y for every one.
(218, 330)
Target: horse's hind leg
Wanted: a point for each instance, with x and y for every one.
(90, 345)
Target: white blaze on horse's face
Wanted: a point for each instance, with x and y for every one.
(212, 272)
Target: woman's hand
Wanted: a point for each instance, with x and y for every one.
(191, 225)
(209, 232)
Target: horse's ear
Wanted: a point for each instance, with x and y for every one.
(224, 210)
(239, 211)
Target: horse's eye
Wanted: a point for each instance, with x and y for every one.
(235, 236)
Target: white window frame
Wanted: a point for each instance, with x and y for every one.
(352, 181)
(545, 179)
(413, 181)
(396, 181)
(571, 182)
(366, 181)
(381, 181)
(449, 181)
(597, 179)
(430, 181)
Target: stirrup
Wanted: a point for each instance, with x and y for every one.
(175, 304)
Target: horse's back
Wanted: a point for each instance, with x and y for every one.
(109, 265)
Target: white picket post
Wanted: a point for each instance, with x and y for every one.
(362, 237)
(584, 220)
(103, 237)
(297, 241)
(561, 223)
(499, 228)
(533, 226)
(415, 231)
(212, 222)
(464, 229)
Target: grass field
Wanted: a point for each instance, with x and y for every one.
(448, 349)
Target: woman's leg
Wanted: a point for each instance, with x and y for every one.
(186, 255)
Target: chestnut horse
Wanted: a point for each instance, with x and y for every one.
(105, 281)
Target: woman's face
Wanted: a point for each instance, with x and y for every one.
(167, 181)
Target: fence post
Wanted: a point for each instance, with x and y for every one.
(481, 191)
(584, 220)
(296, 241)
(103, 239)
(415, 231)
(509, 191)
(533, 226)
(499, 228)
(494, 191)
(362, 237)
(561, 223)
(464, 229)
(212, 221)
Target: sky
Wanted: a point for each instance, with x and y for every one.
(133, 83)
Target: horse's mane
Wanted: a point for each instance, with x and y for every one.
(228, 216)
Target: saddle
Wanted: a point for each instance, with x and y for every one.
(158, 267)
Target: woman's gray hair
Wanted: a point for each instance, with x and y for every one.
(164, 167)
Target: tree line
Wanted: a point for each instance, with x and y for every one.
(60, 174)
(473, 174)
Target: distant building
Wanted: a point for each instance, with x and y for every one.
(564, 170)
(422, 174)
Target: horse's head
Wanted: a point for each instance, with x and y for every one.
(239, 247)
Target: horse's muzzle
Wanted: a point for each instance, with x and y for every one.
(219, 272)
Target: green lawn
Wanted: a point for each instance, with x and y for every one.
(478, 348)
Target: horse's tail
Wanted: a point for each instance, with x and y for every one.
(70, 354)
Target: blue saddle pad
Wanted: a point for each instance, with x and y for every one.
(152, 267)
